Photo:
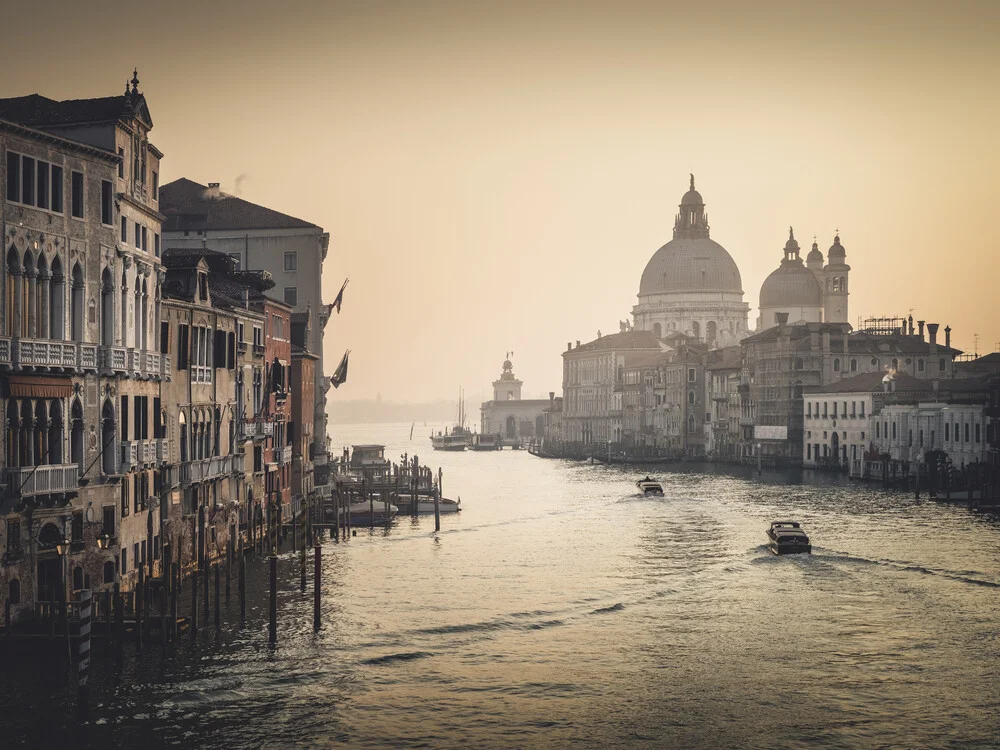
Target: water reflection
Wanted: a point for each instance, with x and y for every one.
(559, 607)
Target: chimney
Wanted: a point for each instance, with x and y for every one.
(826, 341)
(921, 324)
(947, 336)
(911, 325)
(569, 346)
(781, 318)
(552, 398)
(214, 185)
(578, 343)
(932, 333)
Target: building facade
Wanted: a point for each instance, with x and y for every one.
(291, 250)
(507, 414)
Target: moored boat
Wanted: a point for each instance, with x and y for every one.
(788, 538)
(484, 442)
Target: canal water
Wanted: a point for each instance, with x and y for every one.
(561, 609)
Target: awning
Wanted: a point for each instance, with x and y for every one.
(39, 386)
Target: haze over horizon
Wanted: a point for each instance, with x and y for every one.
(496, 177)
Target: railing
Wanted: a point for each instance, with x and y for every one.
(258, 349)
(241, 346)
(201, 374)
(203, 469)
(162, 451)
(285, 455)
(40, 480)
(130, 454)
(148, 451)
(88, 357)
(44, 353)
(165, 368)
(113, 359)
(134, 358)
(4, 351)
(257, 429)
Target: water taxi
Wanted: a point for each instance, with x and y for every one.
(787, 538)
(650, 487)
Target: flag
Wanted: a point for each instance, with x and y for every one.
(340, 374)
(340, 297)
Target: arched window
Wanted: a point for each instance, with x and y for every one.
(14, 591)
(76, 304)
(109, 464)
(690, 397)
(710, 330)
(76, 437)
(28, 295)
(836, 364)
(27, 441)
(57, 301)
(144, 320)
(183, 438)
(78, 578)
(690, 423)
(895, 363)
(136, 313)
(42, 298)
(854, 365)
(107, 308)
(55, 432)
(217, 430)
(657, 331)
(13, 309)
(124, 315)
(41, 442)
(109, 572)
(696, 329)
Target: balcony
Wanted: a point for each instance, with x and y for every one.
(284, 455)
(48, 353)
(130, 455)
(162, 451)
(256, 429)
(42, 480)
(205, 469)
(258, 350)
(241, 347)
(113, 360)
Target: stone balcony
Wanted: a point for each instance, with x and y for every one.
(48, 354)
(136, 363)
(256, 429)
(143, 453)
(284, 456)
(46, 479)
(205, 469)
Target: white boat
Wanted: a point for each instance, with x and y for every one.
(788, 538)
(460, 437)
(425, 503)
(650, 487)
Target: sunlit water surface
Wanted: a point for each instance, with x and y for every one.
(560, 608)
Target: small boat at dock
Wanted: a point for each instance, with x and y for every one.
(483, 442)
(788, 538)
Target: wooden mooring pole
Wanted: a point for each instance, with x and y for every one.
(272, 631)
(317, 588)
(218, 609)
(140, 605)
(83, 651)
(194, 603)
(243, 586)
(437, 504)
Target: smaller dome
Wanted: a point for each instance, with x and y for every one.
(692, 197)
(791, 246)
(791, 285)
(814, 254)
(836, 249)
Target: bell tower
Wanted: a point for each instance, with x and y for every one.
(835, 289)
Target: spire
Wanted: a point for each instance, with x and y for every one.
(791, 234)
(691, 221)
(126, 88)
(135, 80)
(692, 182)
(791, 251)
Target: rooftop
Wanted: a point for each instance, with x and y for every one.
(189, 206)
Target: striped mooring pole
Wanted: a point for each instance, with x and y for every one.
(83, 652)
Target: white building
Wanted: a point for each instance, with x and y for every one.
(291, 250)
(510, 416)
(692, 284)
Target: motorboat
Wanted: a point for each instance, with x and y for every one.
(788, 538)
(425, 503)
(460, 437)
(650, 487)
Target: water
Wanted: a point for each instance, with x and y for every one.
(559, 608)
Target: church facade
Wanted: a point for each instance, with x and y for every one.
(508, 415)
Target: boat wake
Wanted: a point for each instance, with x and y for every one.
(970, 577)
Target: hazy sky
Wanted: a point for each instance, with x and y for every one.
(495, 176)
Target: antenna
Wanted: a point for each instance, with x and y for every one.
(975, 344)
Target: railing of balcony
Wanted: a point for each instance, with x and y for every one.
(204, 469)
(40, 480)
(285, 455)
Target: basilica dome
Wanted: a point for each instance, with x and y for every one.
(691, 264)
(691, 261)
(791, 284)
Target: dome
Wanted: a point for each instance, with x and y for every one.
(691, 264)
(836, 249)
(814, 254)
(791, 285)
(692, 198)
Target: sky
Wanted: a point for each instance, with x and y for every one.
(495, 176)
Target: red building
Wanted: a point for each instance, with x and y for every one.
(303, 385)
(277, 406)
